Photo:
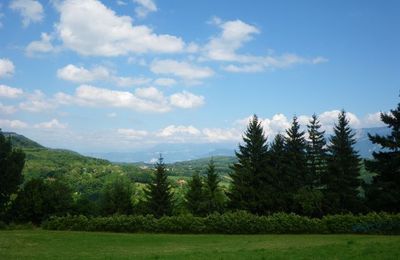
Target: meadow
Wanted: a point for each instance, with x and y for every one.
(41, 244)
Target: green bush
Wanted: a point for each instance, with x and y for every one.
(233, 223)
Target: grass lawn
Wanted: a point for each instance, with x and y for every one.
(40, 244)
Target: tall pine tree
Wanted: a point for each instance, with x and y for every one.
(316, 152)
(158, 192)
(342, 178)
(214, 197)
(195, 196)
(384, 193)
(251, 176)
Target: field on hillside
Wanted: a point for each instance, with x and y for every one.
(40, 244)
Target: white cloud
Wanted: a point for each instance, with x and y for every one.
(112, 115)
(44, 45)
(132, 133)
(373, 120)
(12, 124)
(120, 2)
(215, 135)
(178, 132)
(37, 102)
(30, 10)
(181, 69)
(90, 28)
(6, 68)
(186, 100)
(53, 124)
(329, 118)
(82, 75)
(144, 7)
(98, 73)
(150, 93)
(167, 82)
(10, 92)
(233, 36)
(4, 109)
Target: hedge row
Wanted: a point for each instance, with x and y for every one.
(233, 223)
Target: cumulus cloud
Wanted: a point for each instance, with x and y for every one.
(44, 45)
(90, 28)
(186, 100)
(10, 92)
(216, 135)
(234, 34)
(142, 99)
(37, 102)
(12, 124)
(52, 124)
(98, 73)
(373, 120)
(177, 131)
(182, 69)
(144, 7)
(167, 82)
(132, 133)
(5, 109)
(6, 68)
(31, 11)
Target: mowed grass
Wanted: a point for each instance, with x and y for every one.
(40, 244)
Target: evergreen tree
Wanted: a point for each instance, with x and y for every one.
(296, 153)
(214, 197)
(251, 187)
(316, 152)
(342, 177)
(195, 196)
(11, 165)
(116, 197)
(279, 164)
(158, 192)
(384, 193)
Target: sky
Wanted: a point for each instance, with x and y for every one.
(98, 76)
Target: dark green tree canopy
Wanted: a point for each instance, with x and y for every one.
(158, 192)
(342, 179)
(12, 162)
(384, 192)
(195, 196)
(251, 177)
(214, 196)
(116, 197)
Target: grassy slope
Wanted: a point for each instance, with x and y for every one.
(38, 244)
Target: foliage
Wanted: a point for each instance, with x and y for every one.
(40, 199)
(233, 223)
(252, 177)
(342, 179)
(11, 164)
(384, 191)
(214, 195)
(195, 196)
(158, 192)
(116, 197)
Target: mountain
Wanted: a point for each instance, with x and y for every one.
(21, 141)
(183, 152)
(171, 152)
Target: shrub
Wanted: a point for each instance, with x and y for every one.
(240, 222)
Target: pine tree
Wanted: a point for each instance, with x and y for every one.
(251, 176)
(11, 165)
(341, 180)
(384, 193)
(214, 197)
(279, 163)
(316, 152)
(296, 156)
(195, 196)
(158, 192)
(116, 197)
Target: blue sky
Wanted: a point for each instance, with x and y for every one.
(122, 75)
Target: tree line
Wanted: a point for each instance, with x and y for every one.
(297, 172)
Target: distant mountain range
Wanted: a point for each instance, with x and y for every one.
(184, 152)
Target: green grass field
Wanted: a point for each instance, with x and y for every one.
(40, 244)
